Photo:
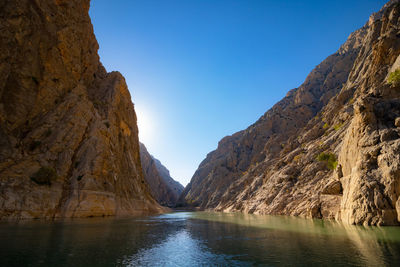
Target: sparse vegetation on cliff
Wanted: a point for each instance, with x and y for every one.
(329, 159)
(337, 126)
(298, 157)
(394, 78)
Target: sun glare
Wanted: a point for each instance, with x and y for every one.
(145, 124)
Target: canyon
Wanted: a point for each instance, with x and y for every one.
(69, 143)
(329, 149)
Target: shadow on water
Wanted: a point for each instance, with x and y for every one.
(72, 243)
(197, 239)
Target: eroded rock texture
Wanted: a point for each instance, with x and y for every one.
(162, 186)
(68, 134)
(345, 116)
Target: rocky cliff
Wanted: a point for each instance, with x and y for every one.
(68, 134)
(162, 186)
(329, 149)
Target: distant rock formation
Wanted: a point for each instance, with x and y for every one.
(164, 189)
(68, 135)
(330, 149)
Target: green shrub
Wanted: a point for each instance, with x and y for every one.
(45, 175)
(394, 78)
(298, 156)
(325, 125)
(329, 159)
(337, 126)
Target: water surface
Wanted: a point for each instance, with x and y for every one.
(197, 239)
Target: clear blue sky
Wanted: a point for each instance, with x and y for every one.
(199, 70)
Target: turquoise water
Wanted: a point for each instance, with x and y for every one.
(197, 239)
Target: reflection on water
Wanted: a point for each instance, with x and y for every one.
(197, 239)
(181, 249)
(299, 225)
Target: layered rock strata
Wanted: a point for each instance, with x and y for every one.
(329, 149)
(68, 135)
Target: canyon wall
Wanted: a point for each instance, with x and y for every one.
(162, 186)
(68, 134)
(329, 149)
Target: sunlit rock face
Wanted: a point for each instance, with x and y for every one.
(68, 135)
(162, 186)
(330, 149)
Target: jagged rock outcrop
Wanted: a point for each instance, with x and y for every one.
(329, 149)
(68, 134)
(162, 186)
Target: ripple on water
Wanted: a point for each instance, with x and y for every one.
(180, 249)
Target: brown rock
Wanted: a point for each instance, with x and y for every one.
(330, 206)
(397, 122)
(61, 111)
(332, 188)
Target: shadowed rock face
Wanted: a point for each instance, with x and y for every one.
(164, 189)
(346, 109)
(68, 134)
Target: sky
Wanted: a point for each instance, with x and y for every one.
(199, 70)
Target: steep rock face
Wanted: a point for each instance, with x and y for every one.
(175, 186)
(68, 134)
(344, 110)
(164, 189)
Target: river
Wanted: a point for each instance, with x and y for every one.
(197, 239)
